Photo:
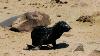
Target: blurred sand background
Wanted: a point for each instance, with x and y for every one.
(87, 34)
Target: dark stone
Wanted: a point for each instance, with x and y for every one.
(14, 29)
(5, 7)
(85, 19)
(19, 0)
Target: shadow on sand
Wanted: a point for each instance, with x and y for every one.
(59, 46)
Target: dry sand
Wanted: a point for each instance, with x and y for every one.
(12, 44)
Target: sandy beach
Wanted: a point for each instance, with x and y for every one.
(84, 33)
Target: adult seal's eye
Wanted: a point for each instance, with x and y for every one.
(66, 25)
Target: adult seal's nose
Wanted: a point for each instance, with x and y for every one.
(69, 27)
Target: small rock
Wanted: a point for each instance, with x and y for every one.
(65, 2)
(37, 7)
(19, 0)
(5, 7)
(8, 13)
(58, 15)
(79, 48)
(57, 1)
(90, 25)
